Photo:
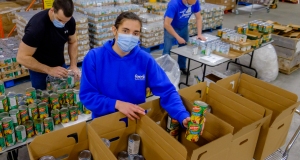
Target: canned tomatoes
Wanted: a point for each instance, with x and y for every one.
(48, 123)
(43, 110)
(24, 113)
(54, 99)
(29, 128)
(39, 126)
(31, 95)
(55, 116)
(33, 111)
(64, 114)
(3, 104)
(21, 133)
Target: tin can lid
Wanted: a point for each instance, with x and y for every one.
(54, 95)
(20, 128)
(39, 120)
(43, 104)
(48, 119)
(2, 97)
(13, 111)
(28, 123)
(23, 107)
(106, 141)
(135, 137)
(11, 94)
(64, 109)
(85, 154)
(4, 114)
(30, 89)
(67, 105)
(33, 105)
(55, 111)
(6, 119)
(122, 154)
(60, 91)
(45, 95)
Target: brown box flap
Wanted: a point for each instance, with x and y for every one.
(231, 82)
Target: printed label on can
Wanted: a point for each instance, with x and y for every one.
(64, 117)
(21, 136)
(2, 144)
(70, 98)
(56, 119)
(172, 123)
(33, 113)
(39, 128)
(193, 132)
(8, 128)
(31, 96)
(133, 147)
(2, 89)
(24, 115)
(14, 118)
(10, 140)
(55, 103)
(13, 103)
(4, 105)
(48, 127)
(74, 115)
(76, 98)
(29, 130)
(43, 112)
(61, 99)
(196, 114)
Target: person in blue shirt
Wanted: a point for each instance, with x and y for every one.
(176, 26)
(115, 76)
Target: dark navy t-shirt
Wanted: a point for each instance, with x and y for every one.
(49, 40)
(181, 13)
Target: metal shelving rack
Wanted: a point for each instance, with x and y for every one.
(252, 8)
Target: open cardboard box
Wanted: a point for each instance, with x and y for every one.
(215, 141)
(155, 142)
(279, 104)
(244, 115)
(67, 142)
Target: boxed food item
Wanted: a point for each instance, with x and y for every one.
(279, 104)
(244, 115)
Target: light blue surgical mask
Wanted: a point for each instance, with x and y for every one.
(187, 5)
(57, 23)
(127, 42)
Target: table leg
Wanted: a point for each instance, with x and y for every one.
(251, 59)
(204, 73)
(187, 75)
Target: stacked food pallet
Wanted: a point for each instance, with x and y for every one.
(152, 30)
(82, 37)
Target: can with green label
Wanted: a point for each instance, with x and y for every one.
(55, 115)
(15, 115)
(24, 113)
(3, 104)
(43, 110)
(2, 88)
(65, 115)
(70, 96)
(3, 114)
(29, 128)
(7, 125)
(20, 98)
(64, 85)
(71, 80)
(77, 101)
(39, 126)
(21, 133)
(79, 108)
(85, 110)
(54, 99)
(12, 100)
(31, 95)
(10, 139)
(17, 73)
(39, 92)
(46, 99)
(1, 130)
(73, 113)
(2, 144)
(61, 96)
(48, 123)
(33, 111)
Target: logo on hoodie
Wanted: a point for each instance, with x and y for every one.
(140, 78)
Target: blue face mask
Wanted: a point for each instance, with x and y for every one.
(57, 23)
(187, 5)
(127, 42)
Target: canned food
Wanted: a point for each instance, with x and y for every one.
(48, 123)
(29, 128)
(71, 79)
(47, 158)
(64, 85)
(245, 30)
(79, 108)
(21, 133)
(24, 113)
(76, 96)
(33, 111)
(61, 97)
(73, 113)
(1, 130)
(123, 155)
(15, 115)
(31, 95)
(240, 29)
(45, 98)
(193, 132)
(2, 144)
(66, 105)
(17, 73)
(85, 155)
(70, 97)
(133, 144)
(3, 114)
(106, 141)
(64, 114)
(43, 110)
(12, 100)
(172, 124)
(199, 109)
(38, 126)
(37, 101)
(86, 111)
(2, 88)
(3, 104)
(54, 99)
(39, 92)
(20, 98)
(55, 116)
(220, 31)
(22, 103)
(7, 125)
(10, 139)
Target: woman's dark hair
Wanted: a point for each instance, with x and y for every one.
(67, 7)
(126, 15)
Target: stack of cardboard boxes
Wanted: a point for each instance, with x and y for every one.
(230, 4)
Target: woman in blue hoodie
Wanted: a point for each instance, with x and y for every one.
(115, 76)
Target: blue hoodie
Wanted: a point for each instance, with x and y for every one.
(106, 78)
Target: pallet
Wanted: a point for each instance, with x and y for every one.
(293, 2)
(211, 30)
(291, 70)
(228, 11)
(246, 4)
(16, 80)
(153, 48)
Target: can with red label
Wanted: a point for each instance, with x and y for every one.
(43, 110)
(55, 115)
(3, 104)
(73, 113)
(48, 124)
(54, 98)
(24, 113)
(8, 126)
(33, 111)
(64, 114)
(31, 95)
(29, 128)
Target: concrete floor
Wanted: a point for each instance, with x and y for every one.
(286, 13)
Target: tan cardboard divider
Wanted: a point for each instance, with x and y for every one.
(58, 144)
(279, 104)
(155, 142)
(214, 144)
(244, 115)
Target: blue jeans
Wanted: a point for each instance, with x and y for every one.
(38, 80)
(169, 40)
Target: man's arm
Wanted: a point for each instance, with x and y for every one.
(199, 26)
(25, 58)
(170, 29)
(73, 50)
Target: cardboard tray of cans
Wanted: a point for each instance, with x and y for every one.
(233, 54)
(247, 43)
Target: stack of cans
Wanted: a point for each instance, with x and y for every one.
(173, 127)
(197, 121)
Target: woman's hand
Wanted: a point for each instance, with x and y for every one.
(186, 122)
(129, 109)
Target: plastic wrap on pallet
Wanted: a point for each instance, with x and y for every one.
(150, 18)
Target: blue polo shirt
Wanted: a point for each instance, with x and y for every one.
(180, 13)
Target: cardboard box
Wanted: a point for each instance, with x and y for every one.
(60, 143)
(215, 141)
(279, 104)
(211, 1)
(287, 42)
(223, 2)
(244, 115)
(286, 53)
(211, 76)
(155, 142)
(288, 66)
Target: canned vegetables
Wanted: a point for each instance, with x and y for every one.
(12, 100)
(193, 132)
(33, 111)
(73, 113)
(7, 125)
(54, 99)
(15, 115)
